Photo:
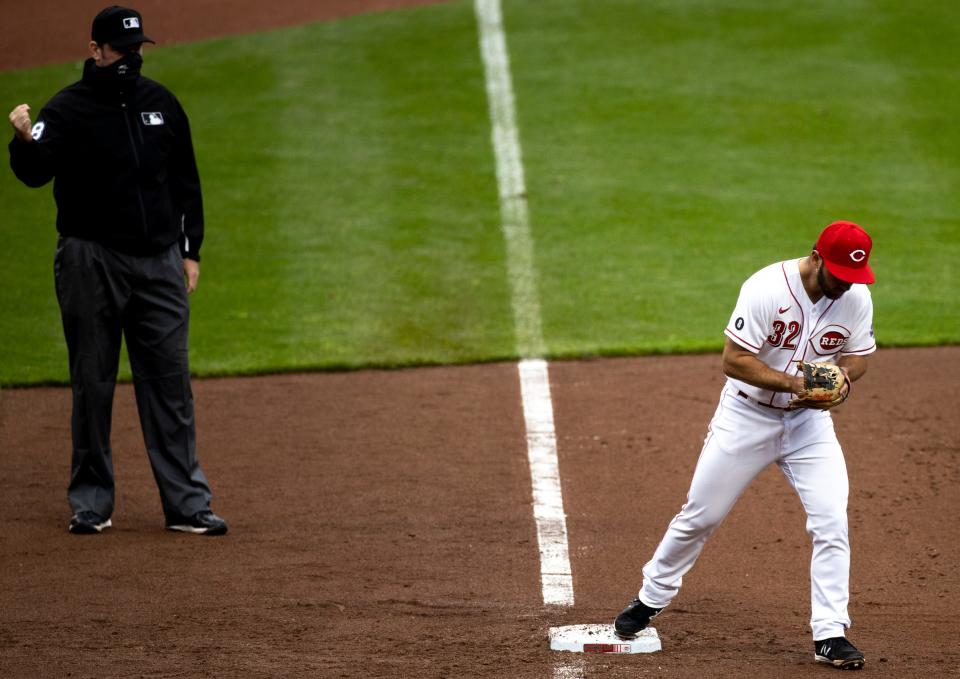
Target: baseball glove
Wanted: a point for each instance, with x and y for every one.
(825, 386)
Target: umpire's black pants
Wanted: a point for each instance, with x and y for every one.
(103, 294)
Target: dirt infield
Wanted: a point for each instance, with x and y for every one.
(381, 526)
(381, 521)
(50, 31)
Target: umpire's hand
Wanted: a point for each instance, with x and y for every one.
(191, 272)
(20, 119)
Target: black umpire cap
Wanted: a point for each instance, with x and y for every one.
(118, 26)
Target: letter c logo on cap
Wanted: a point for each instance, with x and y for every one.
(858, 255)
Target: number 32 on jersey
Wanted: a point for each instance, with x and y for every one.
(784, 334)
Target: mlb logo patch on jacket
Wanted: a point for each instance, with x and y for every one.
(152, 118)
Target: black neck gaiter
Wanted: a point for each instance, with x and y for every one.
(119, 75)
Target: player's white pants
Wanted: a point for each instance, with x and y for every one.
(743, 439)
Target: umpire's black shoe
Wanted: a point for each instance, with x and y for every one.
(635, 617)
(839, 652)
(201, 523)
(88, 523)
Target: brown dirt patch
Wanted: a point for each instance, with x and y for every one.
(381, 526)
(37, 32)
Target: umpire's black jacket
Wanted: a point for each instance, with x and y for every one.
(122, 160)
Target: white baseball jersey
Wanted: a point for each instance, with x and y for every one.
(775, 319)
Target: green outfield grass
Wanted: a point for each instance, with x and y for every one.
(670, 148)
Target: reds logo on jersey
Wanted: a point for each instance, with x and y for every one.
(830, 340)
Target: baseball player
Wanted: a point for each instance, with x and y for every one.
(815, 309)
(130, 218)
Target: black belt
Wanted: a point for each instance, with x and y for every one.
(760, 403)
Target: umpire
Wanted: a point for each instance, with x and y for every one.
(130, 219)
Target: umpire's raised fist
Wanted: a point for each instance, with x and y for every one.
(20, 119)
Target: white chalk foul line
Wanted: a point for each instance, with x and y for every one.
(555, 574)
(510, 181)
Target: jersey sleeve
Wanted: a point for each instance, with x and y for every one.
(750, 321)
(862, 341)
(185, 186)
(35, 162)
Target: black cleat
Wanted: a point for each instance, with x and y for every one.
(201, 523)
(839, 652)
(88, 523)
(635, 617)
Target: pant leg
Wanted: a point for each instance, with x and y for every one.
(816, 468)
(156, 329)
(91, 293)
(741, 442)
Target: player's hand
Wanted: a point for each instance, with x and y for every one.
(20, 119)
(191, 273)
(798, 385)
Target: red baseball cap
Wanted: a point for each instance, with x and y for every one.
(845, 249)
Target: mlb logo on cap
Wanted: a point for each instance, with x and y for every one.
(118, 26)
